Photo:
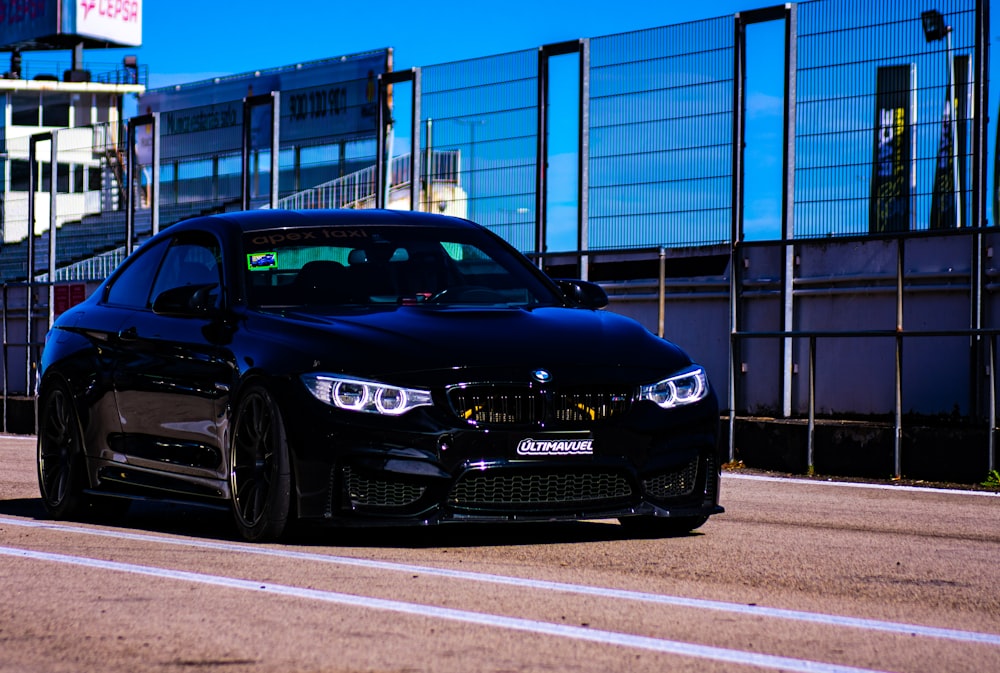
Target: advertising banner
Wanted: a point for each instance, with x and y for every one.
(204, 130)
(346, 106)
(892, 167)
(117, 21)
(943, 211)
(944, 206)
(44, 24)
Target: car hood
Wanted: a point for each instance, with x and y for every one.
(403, 342)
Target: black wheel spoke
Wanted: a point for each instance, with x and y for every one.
(259, 477)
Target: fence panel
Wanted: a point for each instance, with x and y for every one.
(842, 47)
(479, 128)
(661, 124)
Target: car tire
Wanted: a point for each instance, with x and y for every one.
(654, 527)
(259, 475)
(60, 460)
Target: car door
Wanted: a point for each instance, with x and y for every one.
(97, 325)
(173, 372)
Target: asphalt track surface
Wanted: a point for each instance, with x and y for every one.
(795, 576)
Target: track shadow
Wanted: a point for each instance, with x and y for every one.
(461, 535)
(30, 508)
(151, 517)
(216, 524)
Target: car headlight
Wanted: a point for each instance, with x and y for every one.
(368, 396)
(687, 387)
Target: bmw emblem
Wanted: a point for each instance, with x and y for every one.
(541, 375)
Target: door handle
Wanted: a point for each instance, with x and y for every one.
(128, 334)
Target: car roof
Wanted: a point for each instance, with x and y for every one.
(257, 220)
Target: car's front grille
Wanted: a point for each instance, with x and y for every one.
(365, 492)
(505, 488)
(487, 404)
(672, 484)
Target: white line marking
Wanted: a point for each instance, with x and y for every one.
(851, 484)
(481, 619)
(579, 589)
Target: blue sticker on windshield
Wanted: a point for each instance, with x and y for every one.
(261, 261)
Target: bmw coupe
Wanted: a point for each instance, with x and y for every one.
(367, 368)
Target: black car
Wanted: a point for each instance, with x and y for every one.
(367, 368)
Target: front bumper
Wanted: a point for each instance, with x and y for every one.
(510, 491)
(355, 469)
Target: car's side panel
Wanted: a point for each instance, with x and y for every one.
(172, 387)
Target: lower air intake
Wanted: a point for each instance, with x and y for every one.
(485, 489)
(672, 484)
(366, 492)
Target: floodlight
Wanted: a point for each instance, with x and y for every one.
(934, 26)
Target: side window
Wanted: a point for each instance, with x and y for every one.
(131, 287)
(192, 259)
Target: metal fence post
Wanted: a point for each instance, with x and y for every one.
(383, 163)
(897, 446)
(788, 198)
(275, 149)
(30, 287)
(583, 161)
(662, 292)
(6, 353)
(129, 186)
(154, 190)
(736, 219)
(811, 441)
(991, 459)
(274, 133)
(53, 193)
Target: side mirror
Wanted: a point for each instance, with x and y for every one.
(583, 293)
(187, 301)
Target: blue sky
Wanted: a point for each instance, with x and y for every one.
(187, 42)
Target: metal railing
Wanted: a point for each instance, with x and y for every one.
(102, 73)
(988, 336)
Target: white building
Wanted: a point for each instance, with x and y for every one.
(86, 116)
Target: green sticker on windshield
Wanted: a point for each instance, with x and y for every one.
(261, 261)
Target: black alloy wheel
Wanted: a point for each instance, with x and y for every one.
(259, 476)
(61, 469)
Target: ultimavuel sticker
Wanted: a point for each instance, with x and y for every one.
(555, 447)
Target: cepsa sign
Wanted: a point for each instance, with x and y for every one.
(31, 22)
(118, 21)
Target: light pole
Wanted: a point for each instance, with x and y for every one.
(934, 30)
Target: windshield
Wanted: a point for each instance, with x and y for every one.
(326, 267)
